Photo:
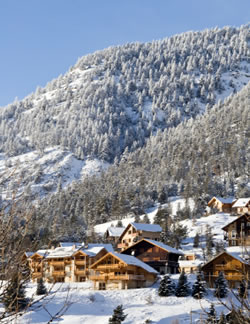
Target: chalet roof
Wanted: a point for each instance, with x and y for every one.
(159, 244)
(190, 263)
(165, 247)
(128, 260)
(41, 253)
(228, 200)
(28, 254)
(107, 247)
(131, 260)
(61, 252)
(115, 231)
(235, 220)
(70, 244)
(241, 202)
(234, 253)
(147, 227)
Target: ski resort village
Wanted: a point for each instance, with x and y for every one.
(210, 262)
(124, 178)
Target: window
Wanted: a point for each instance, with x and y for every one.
(233, 234)
(233, 242)
(248, 224)
(129, 232)
(242, 225)
(102, 286)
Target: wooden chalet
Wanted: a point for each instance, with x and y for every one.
(66, 264)
(232, 265)
(238, 231)
(157, 255)
(188, 263)
(120, 271)
(221, 204)
(113, 234)
(241, 206)
(136, 231)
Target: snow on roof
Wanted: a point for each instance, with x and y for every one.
(190, 263)
(241, 202)
(70, 244)
(29, 254)
(115, 231)
(228, 200)
(164, 246)
(147, 227)
(239, 252)
(42, 253)
(107, 247)
(131, 260)
(61, 252)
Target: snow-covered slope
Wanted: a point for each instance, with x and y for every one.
(90, 306)
(40, 173)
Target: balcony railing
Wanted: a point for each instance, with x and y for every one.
(58, 273)
(57, 263)
(81, 272)
(80, 262)
(117, 277)
(110, 266)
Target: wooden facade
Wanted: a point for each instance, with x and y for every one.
(238, 231)
(221, 204)
(72, 266)
(113, 234)
(159, 256)
(117, 271)
(136, 231)
(234, 268)
(188, 263)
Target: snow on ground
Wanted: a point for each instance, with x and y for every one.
(89, 306)
(175, 203)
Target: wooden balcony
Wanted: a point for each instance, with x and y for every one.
(80, 262)
(117, 277)
(109, 266)
(36, 275)
(81, 272)
(57, 263)
(60, 273)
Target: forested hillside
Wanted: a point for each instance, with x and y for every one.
(170, 116)
(117, 98)
(201, 157)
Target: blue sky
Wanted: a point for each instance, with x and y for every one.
(41, 39)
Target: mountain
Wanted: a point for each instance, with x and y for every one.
(162, 113)
(200, 158)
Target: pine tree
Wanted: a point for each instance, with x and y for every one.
(196, 240)
(118, 315)
(167, 287)
(211, 319)
(41, 288)
(220, 286)
(182, 289)
(14, 298)
(242, 291)
(146, 219)
(199, 289)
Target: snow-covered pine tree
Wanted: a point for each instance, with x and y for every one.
(220, 286)
(14, 298)
(118, 315)
(242, 291)
(167, 287)
(41, 288)
(199, 289)
(211, 319)
(182, 289)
